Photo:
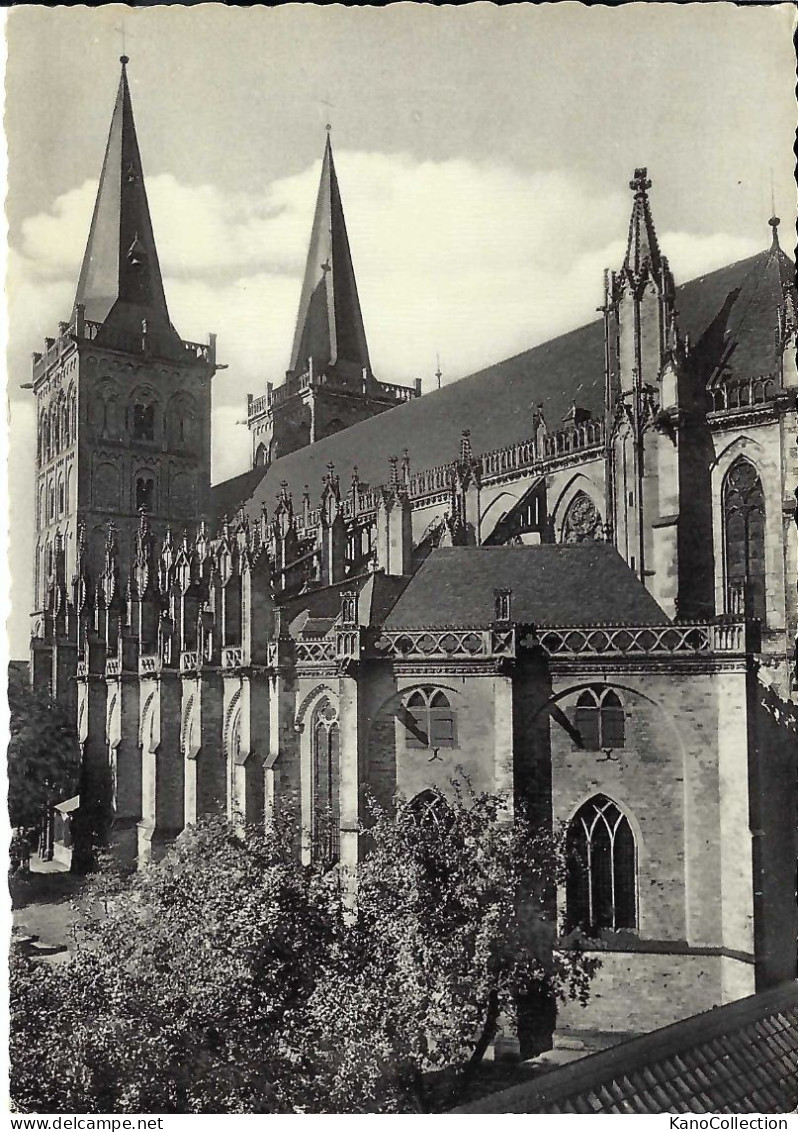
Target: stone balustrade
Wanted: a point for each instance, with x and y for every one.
(232, 656)
(86, 330)
(648, 640)
(742, 393)
(445, 644)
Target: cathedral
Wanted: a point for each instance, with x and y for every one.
(571, 577)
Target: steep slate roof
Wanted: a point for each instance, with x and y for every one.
(120, 280)
(227, 495)
(377, 593)
(329, 326)
(581, 584)
(738, 1058)
(496, 403)
(749, 348)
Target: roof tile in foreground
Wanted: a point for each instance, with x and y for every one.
(757, 1072)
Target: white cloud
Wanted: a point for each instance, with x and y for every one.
(457, 259)
(469, 261)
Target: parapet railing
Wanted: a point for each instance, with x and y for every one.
(445, 644)
(87, 330)
(316, 652)
(648, 640)
(232, 656)
(385, 390)
(741, 393)
(500, 461)
(398, 393)
(568, 440)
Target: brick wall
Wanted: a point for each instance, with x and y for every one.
(635, 992)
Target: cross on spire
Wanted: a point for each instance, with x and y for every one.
(640, 183)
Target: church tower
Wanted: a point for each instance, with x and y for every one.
(123, 404)
(330, 384)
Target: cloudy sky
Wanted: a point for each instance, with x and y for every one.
(483, 154)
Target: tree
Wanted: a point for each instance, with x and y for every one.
(454, 926)
(229, 978)
(43, 754)
(183, 974)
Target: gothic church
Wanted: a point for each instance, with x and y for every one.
(571, 576)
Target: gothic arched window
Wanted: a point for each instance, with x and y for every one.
(429, 810)
(261, 456)
(743, 502)
(582, 521)
(145, 491)
(325, 805)
(600, 719)
(601, 885)
(429, 720)
(55, 429)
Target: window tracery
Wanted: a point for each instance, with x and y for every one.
(601, 885)
(743, 502)
(582, 521)
(325, 802)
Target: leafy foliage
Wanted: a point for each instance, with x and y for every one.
(230, 978)
(43, 755)
(454, 924)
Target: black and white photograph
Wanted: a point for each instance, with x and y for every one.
(402, 561)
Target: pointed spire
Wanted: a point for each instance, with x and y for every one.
(329, 327)
(642, 251)
(120, 281)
